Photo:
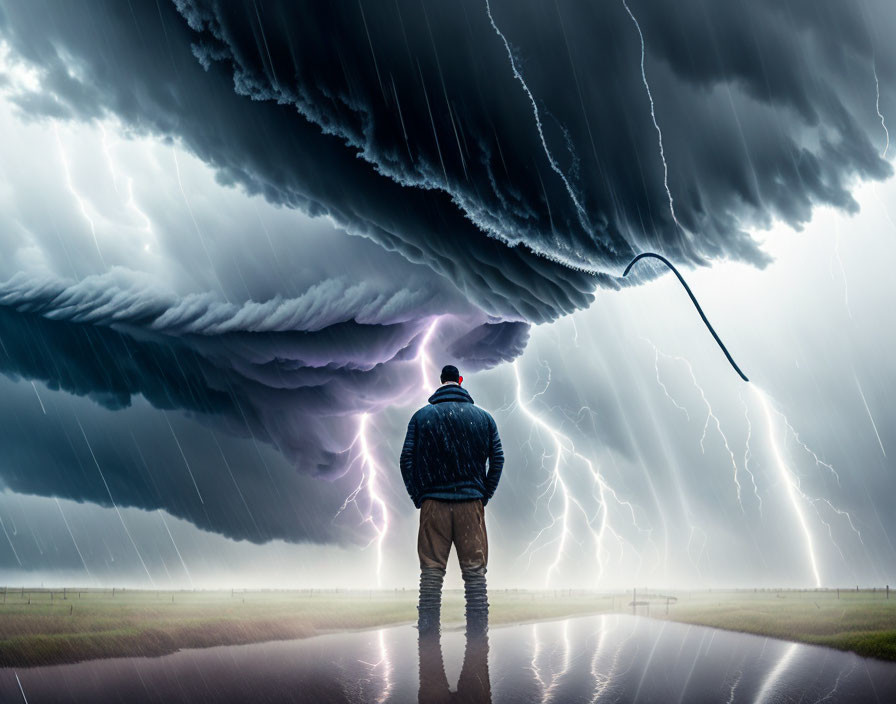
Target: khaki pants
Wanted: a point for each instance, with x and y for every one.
(459, 522)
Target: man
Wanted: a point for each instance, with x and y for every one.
(443, 463)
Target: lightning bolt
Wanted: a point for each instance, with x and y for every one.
(656, 125)
(791, 484)
(79, 199)
(556, 483)
(656, 367)
(710, 417)
(378, 514)
(423, 356)
(131, 202)
(748, 453)
(369, 481)
(883, 122)
(583, 218)
(795, 494)
(796, 436)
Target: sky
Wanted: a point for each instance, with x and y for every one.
(241, 240)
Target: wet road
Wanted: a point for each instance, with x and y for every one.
(612, 658)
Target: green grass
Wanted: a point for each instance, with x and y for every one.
(95, 624)
(861, 622)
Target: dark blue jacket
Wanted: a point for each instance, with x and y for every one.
(446, 449)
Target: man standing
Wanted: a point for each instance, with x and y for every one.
(443, 464)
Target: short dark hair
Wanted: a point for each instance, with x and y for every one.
(450, 373)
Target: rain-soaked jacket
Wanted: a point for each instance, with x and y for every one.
(446, 449)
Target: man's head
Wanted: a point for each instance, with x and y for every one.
(450, 374)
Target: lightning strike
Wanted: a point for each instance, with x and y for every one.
(710, 416)
(796, 436)
(791, 484)
(883, 122)
(656, 125)
(748, 452)
(583, 218)
(556, 482)
(423, 357)
(656, 367)
(380, 527)
(369, 466)
(79, 199)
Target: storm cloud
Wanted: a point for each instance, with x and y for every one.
(493, 165)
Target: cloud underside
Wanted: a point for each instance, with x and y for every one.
(514, 156)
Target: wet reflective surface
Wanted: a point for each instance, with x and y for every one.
(612, 658)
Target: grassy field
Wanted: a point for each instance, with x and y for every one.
(39, 627)
(862, 622)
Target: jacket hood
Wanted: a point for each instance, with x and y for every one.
(451, 392)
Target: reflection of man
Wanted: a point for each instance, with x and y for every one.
(473, 687)
(443, 463)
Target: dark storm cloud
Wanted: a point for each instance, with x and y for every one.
(140, 457)
(292, 374)
(766, 110)
(295, 373)
(138, 63)
(405, 124)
